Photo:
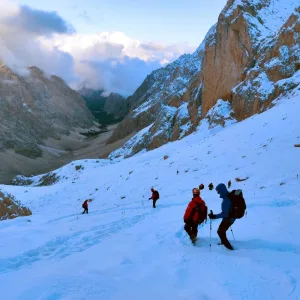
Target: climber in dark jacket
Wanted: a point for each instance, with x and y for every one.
(226, 221)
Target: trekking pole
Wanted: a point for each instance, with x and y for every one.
(232, 232)
(210, 233)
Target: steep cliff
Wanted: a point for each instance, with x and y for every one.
(250, 57)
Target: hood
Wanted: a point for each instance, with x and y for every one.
(222, 190)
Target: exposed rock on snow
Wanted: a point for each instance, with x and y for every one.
(175, 124)
(220, 114)
(10, 208)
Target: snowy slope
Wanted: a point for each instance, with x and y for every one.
(125, 249)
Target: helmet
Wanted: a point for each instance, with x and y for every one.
(196, 191)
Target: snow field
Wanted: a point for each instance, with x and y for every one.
(126, 249)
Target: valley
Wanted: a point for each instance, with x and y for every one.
(57, 153)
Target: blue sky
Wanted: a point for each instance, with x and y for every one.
(167, 21)
(102, 44)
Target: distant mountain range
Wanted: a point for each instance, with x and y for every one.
(106, 109)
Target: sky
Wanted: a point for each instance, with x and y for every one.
(103, 44)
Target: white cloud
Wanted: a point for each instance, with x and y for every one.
(108, 60)
(20, 47)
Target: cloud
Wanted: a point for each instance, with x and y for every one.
(121, 76)
(21, 30)
(111, 61)
(115, 62)
(37, 21)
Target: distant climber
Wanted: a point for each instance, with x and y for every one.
(225, 215)
(210, 186)
(154, 197)
(85, 206)
(195, 214)
(201, 186)
(229, 184)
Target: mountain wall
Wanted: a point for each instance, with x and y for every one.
(106, 109)
(35, 107)
(248, 58)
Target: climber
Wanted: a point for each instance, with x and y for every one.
(195, 214)
(229, 184)
(85, 206)
(226, 221)
(154, 197)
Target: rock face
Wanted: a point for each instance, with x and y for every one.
(249, 58)
(116, 106)
(10, 208)
(35, 107)
(40, 121)
(107, 109)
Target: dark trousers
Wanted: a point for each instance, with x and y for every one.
(191, 230)
(224, 226)
(154, 202)
(86, 210)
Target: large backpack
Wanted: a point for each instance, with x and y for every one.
(238, 204)
(202, 213)
(157, 194)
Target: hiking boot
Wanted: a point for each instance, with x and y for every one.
(194, 239)
(228, 246)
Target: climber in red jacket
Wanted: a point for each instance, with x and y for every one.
(195, 214)
(154, 197)
(85, 206)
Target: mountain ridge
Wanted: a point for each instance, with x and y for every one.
(235, 54)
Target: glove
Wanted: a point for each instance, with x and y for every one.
(150, 198)
(212, 216)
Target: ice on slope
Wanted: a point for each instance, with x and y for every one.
(124, 249)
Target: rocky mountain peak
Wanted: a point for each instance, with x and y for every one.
(249, 58)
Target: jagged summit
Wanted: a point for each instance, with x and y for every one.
(250, 57)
